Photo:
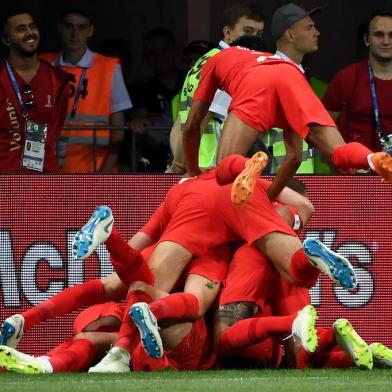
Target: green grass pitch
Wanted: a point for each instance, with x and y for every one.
(328, 380)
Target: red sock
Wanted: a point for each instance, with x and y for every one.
(251, 331)
(79, 356)
(182, 306)
(72, 298)
(229, 168)
(127, 262)
(302, 271)
(325, 355)
(267, 354)
(338, 359)
(128, 336)
(326, 339)
(351, 156)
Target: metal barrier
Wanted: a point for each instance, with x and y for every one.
(97, 128)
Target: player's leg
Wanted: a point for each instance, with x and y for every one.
(204, 277)
(349, 155)
(167, 262)
(237, 137)
(248, 332)
(301, 264)
(69, 299)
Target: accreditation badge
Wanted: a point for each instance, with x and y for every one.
(34, 148)
(387, 144)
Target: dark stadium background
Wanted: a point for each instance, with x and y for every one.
(200, 19)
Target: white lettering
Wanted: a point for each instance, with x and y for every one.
(15, 127)
(8, 279)
(36, 254)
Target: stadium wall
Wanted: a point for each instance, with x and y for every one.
(40, 214)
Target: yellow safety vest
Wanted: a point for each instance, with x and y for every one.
(210, 137)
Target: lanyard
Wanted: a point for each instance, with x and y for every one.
(78, 92)
(16, 89)
(376, 110)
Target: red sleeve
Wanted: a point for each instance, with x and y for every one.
(263, 183)
(296, 220)
(340, 90)
(156, 224)
(208, 81)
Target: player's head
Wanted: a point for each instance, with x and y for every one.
(250, 42)
(194, 50)
(378, 37)
(242, 18)
(160, 50)
(297, 186)
(20, 32)
(75, 28)
(292, 26)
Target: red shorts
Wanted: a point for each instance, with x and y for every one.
(194, 224)
(248, 278)
(93, 313)
(213, 265)
(209, 218)
(252, 220)
(266, 354)
(196, 351)
(142, 362)
(288, 299)
(252, 278)
(278, 96)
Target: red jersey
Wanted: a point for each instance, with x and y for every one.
(50, 107)
(226, 69)
(349, 93)
(266, 91)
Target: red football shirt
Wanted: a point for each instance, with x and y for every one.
(266, 90)
(349, 93)
(50, 106)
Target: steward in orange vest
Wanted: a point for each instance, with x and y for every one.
(98, 94)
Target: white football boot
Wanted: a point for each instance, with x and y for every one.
(148, 328)
(304, 328)
(115, 361)
(95, 232)
(337, 267)
(12, 330)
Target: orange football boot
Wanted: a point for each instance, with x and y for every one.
(382, 162)
(245, 182)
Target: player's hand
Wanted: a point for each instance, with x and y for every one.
(138, 125)
(176, 168)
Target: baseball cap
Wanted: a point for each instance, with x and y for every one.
(286, 16)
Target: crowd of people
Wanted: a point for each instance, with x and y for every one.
(218, 276)
(146, 118)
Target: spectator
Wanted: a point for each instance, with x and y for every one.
(295, 34)
(119, 48)
(99, 97)
(194, 50)
(359, 96)
(33, 97)
(152, 100)
(240, 18)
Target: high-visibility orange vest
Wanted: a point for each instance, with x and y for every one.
(93, 108)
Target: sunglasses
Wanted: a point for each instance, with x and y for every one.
(28, 96)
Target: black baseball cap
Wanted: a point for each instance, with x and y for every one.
(284, 17)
